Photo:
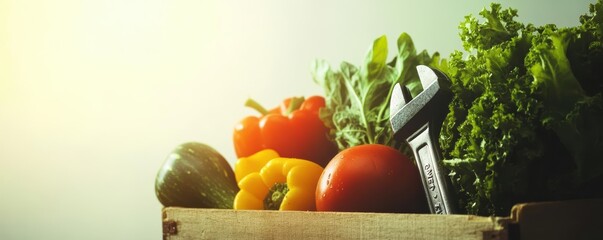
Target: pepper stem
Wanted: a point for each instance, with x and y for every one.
(255, 105)
(275, 196)
(294, 104)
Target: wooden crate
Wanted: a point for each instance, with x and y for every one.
(578, 219)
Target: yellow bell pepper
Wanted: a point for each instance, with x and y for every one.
(267, 181)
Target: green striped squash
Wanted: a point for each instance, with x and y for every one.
(196, 175)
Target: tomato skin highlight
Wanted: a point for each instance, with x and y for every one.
(371, 178)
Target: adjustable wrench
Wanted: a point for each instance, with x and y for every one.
(418, 121)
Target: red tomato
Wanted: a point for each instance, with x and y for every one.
(371, 178)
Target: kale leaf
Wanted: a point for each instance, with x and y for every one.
(525, 122)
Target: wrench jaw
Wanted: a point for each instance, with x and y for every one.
(400, 96)
(407, 115)
(427, 75)
(418, 121)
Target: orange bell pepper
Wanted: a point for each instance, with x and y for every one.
(293, 130)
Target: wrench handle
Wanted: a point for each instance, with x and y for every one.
(425, 149)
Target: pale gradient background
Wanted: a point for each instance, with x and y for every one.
(94, 94)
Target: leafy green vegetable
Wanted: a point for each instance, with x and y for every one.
(525, 122)
(357, 98)
(576, 117)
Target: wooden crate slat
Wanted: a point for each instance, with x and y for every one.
(573, 219)
(231, 224)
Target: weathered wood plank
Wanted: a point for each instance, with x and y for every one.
(575, 219)
(232, 224)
